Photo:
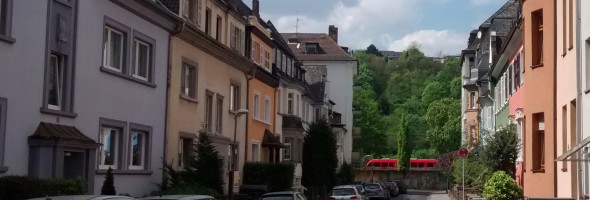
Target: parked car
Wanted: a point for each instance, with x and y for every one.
(346, 192)
(86, 197)
(376, 191)
(179, 197)
(403, 188)
(392, 188)
(288, 195)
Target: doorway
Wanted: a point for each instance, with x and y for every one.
(74, 165)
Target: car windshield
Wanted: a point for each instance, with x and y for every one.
(372, 187)
(278, 197)
(343, 192)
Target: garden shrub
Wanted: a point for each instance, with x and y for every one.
(21, 187)
(502, 187)
(277, 176)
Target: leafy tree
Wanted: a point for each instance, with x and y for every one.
(205, 168)
(456, 88)
(372, 49)
(502, 187)
(501, 150)
(424, 154)
(346, 174)
(319, 157)
(404, 150)
(108, 186)
(443, 117)
(476, 172)
(434, 91)
(373, 137)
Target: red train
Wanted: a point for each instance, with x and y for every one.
(387, 163)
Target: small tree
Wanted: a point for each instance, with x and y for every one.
(108, 186)
(404, 150)
(501, 150)
(206, 166)
(346, 174)
(319, 158)
(502, 187)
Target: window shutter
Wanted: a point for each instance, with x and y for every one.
(183, 80)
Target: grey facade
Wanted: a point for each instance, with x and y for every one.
(89, 97)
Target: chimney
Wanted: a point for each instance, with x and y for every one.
(333, 33)
(256, 8)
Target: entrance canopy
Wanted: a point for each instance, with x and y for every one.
(574, 153)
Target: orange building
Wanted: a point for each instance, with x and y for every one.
(539, 98)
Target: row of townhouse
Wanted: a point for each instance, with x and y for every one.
(546, 47)
(128, 84)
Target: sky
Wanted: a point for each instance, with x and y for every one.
(440, 26)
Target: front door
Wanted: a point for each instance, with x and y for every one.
(74, 164)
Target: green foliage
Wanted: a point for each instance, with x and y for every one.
(443, 117)
(403, 148)
(424, 154)
(20, 187)
(319, 156)
(502, 187)
(372, 49)
(456, 88)
(277, 176)
(346, 174)
(476, 172)
(501, 150)
(434, 91)
(108, 186)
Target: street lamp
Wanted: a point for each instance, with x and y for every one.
(230, 184)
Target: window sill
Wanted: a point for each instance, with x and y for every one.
(537, 65)
(587, 91)
(7, 39)
(58, 112)
(3, 169)
(264, 122)
(125, 172)
(125, 76)
(188, 98)
(538, 171)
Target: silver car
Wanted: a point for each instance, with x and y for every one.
(288, 195)
(346, 192)
(179, 197)
(86, 197)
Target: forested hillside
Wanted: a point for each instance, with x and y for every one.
(426, 91)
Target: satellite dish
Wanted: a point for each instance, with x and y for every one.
(479, 35)
(298, 45)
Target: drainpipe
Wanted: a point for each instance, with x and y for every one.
(579, 103)
(249, 76)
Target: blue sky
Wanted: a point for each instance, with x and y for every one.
(440, 26)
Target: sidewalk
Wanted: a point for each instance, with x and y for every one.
(439, 195)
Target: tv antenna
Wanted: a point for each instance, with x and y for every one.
(297, 20)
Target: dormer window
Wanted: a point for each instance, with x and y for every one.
(312, 48)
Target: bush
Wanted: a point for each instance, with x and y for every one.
(108, 186)
(476, 172)
(277, 176)
(502, 187)
(424, 154)
(346, 174)
(20, 187)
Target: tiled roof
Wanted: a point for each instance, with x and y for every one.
(329, 49)
(292, 121)
(49, 131)
(172, 5)
(314, 78)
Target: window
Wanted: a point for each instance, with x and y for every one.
(256, 105)
(191, 10)
(236, 39)
(218, 30)
(570, 24)
(312, 48)
(255, 151)
(517, 72)
(267, 109)
(185, 149)
(538, 141)
(290, 103)
(114, 49)
(564, 134)
(208, 21)
(109, 150)
(142, 59)
(472, 100)
(587, 67)
(3, 108)
(317, 114)
(6, 21)
(288, 149)
(234, 97)
(537, 37)
(189, 81)
(219, 115)
(138, 149)
(297, 111)
(209, 111)
(267, 60)
(257, 53)
(56, 82)
(279, 103)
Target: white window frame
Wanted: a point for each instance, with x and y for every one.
(107, 49)
(256, 102)
(234, 97)
(59, 77)
(117, 147)
(136, 44)
(287, 153)
(143, 145)
(267, 104)
(256, 156)
(186, 81)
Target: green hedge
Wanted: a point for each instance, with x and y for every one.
(19, 187)
(277, 176)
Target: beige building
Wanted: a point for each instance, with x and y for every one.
(207, 81)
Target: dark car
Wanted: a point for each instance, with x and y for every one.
(392, 188)
(375, 191)
(403, 188)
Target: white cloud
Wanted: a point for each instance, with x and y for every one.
(433, 41)
(482, 2)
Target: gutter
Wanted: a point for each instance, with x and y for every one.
(579, 104)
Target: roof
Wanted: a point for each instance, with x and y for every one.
(314, 76)
(270, 140)
(329, 49)
(292, 121)
(49, 131)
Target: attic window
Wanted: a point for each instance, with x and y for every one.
(312, 48)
